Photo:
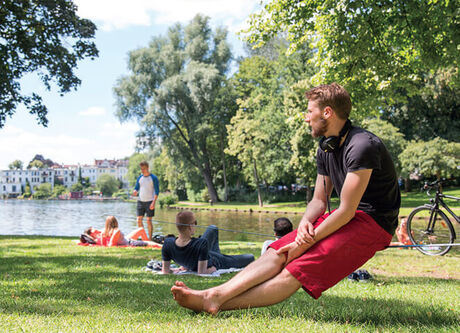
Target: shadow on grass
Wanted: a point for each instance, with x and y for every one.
(87, 281)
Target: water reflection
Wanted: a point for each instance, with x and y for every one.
(69, 218)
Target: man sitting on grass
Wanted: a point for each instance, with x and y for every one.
(281, 226)
(200, 255)
(326, 247)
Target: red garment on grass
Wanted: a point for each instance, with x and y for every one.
(106, 245)
(338, 255)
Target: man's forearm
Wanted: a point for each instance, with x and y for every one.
(333, 222)
(315, 209)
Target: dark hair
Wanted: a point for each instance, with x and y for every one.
(144, 164)
(88, 230)
(282, 226)
(333, 95)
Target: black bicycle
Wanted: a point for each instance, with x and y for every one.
(429, 225)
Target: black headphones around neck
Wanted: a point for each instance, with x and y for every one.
(332, 143)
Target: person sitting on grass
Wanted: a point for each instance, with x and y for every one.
(281, 226)
(326, 247)
(113, 236)
(201, 255)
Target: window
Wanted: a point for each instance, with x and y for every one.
(14, 188)
(4, 188)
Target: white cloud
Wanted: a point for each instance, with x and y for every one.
(119, 14)
(93, 111)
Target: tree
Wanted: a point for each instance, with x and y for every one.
(36, 164)
(27, 190)
(77, 187)
(107, 184)
(58, 190)
(134, 170)
(437, 157)
(40, 36)
(172, 88)
(393, 139)
(15, 165)
(379, 50)
(303, 146)
(45, 161)
(42, 191)
(433, 112)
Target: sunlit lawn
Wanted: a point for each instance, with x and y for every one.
(409, 201)
(52, 285)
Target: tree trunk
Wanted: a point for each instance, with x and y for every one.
(256, 179)
(309, 194)
(224, 169)
(210, 185)
(407, 185)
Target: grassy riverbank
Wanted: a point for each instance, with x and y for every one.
(409, 201)
(51, 285)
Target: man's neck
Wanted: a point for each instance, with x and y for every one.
(146, 174)
(334, 128)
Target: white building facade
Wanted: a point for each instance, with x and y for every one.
(13, 182)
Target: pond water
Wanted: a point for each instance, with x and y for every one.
(70, 218)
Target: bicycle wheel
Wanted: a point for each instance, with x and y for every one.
(426, 226)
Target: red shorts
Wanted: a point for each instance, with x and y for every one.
(338, 255)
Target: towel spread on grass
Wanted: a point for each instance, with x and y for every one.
(217, 273)
(148, 246)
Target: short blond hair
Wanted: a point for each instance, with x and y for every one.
(183, 219)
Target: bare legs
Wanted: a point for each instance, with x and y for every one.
(140, 232)
(140, 224)
(150, 227)
(261, 283)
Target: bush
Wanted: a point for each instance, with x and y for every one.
(58, 190)
(168, 200)
(122, 194)
(77, 187)
(107, 184)
(42, 191)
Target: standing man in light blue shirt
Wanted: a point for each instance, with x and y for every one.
(147, 188)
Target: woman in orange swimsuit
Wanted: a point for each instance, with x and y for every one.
(113, 236)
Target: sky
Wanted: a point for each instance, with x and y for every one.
(82, 125)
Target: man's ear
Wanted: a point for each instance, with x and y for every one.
(328, 112)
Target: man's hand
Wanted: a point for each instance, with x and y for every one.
(134, 193)
(293, 250)
(152, 205)
(305, 233)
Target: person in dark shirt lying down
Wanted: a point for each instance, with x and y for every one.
(201, 255)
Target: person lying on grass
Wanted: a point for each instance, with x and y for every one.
(113, 236)
(201, 255)
(326, 247)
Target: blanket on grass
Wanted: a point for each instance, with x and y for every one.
(154, 267)
(99, 245)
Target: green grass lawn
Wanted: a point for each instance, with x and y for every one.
(51, 285)
(408, 202)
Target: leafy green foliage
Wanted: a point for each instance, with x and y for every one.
(437, 157)
(36, 164)
(168, 200)
(394, 140)
(46, 37)
(107, 184)
(42, 191)
(173, 90)
(58, 190)
(134, 170)
(77, 187)
(15, 165)
(433, 112)
(376, 49)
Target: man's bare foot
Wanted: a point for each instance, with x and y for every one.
(181, 284)
(196, 300)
